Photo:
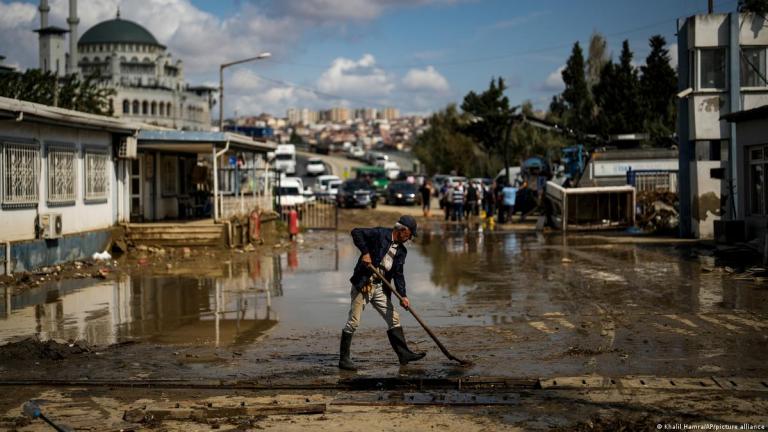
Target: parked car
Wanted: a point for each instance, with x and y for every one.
(380, 160)
(321, 185)
(400, 193)
(356, 193)
(315, 167)
(356, 153)
(437, 182)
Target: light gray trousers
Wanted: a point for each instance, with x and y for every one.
(379, 300)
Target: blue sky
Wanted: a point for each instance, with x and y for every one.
(417, 55)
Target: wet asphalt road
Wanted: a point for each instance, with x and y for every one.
(516, 304)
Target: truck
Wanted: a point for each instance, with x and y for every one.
(285, 158)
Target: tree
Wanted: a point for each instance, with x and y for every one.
(759, 7)
(296, 139)
(576, 96)
(658, 85)
(491, 118)
(528, 140)
(618, 96)
(69, 92)
(596, 59)
(443, 147)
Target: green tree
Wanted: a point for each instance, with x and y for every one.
(296, 139)
(490, 119)
(759, 7)
(69, 92)
(443, 146)
(528, 140)
(658, 85)
(618, 96)
(576, 96)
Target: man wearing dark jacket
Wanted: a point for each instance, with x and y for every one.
(384, 248)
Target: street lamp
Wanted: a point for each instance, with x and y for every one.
(221, 83)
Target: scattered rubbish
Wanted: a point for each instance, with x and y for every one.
(657, 210)
(101, 256)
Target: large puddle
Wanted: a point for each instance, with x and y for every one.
(455, 277)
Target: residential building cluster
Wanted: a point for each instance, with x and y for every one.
(335, 128)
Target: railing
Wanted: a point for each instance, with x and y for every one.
(653, 180)
(315, 215)
(244, 190)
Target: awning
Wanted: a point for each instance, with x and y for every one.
(199, 141)
(758, 113)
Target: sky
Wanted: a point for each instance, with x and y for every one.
(415, 55)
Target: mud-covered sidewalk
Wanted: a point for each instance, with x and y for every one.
(560, 330)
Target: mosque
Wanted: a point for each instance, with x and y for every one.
(148, 82)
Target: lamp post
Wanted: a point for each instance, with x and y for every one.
(221, 82)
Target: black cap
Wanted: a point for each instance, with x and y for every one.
(409, 222)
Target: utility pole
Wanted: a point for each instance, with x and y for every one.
(711, 6)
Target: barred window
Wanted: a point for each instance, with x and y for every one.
(170, 175)
(96, 177)
(62, 175)
(21, 174)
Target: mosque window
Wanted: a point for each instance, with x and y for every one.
(145, 107)
(126, 107)
(162, 109)
(154, 108)
(135, 107)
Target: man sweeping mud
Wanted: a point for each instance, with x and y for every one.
(383, 248)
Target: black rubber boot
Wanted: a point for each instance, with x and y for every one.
(400, 346)
(344, 360)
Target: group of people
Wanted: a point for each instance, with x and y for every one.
(460, 201)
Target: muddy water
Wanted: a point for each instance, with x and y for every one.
(455, 277)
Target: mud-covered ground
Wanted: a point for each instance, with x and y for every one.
(583, 332)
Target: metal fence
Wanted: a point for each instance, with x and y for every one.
(315, 215)
(244, 190)
(653, 180)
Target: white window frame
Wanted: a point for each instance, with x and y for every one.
(699, 71)
(94, 174)
(20, 162)
(59, 176)
(761, 84)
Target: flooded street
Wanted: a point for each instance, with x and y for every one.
(521, 306)
(544, 301)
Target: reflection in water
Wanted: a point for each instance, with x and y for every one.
(503, 277)
(231, 309)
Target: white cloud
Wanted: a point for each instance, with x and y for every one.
(428, 79)
(356, 78)
(554, 81)
(344, 10)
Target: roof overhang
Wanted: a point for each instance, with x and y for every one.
(199, 141)
(759, 113)
(24, 111)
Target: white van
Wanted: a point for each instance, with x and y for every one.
(392, 169)
(291, 192)
(285, 158)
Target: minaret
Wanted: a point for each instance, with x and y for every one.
(73, 21)
(51, 43)
(44, 9)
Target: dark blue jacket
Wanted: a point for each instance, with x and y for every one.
(377, 241)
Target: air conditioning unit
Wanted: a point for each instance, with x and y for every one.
(128, 148)
(50, 225)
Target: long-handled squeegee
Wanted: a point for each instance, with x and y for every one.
(32, 410)
(415, 315)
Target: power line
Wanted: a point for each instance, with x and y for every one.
(318, 92)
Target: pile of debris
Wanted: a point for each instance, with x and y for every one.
(658, 211)
(35, 349)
